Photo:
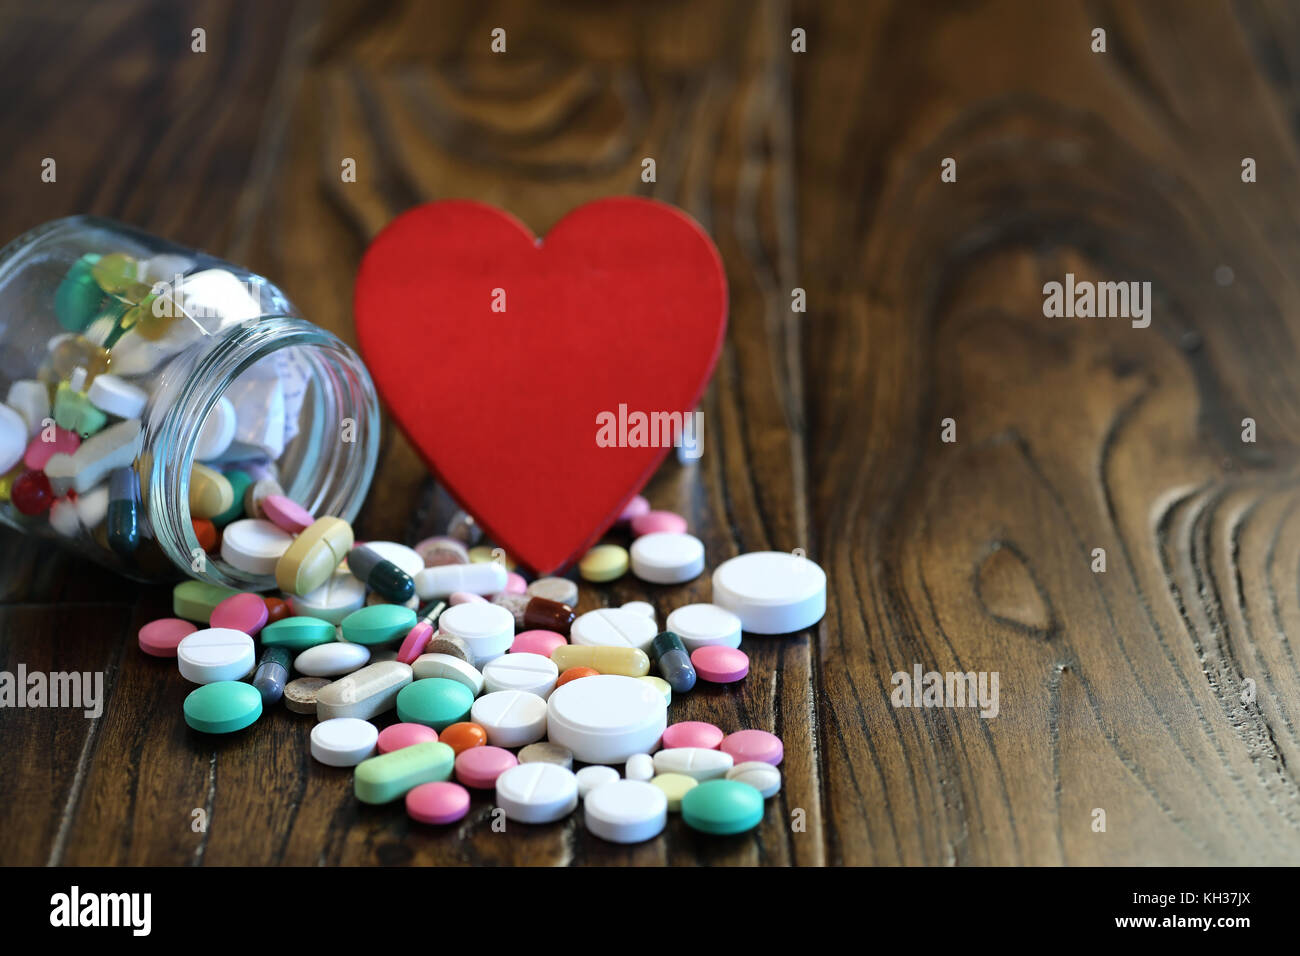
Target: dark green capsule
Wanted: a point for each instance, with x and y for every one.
(668, 651)
(239, 481)
(381, 575)
(124, 511)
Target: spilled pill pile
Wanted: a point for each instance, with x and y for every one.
(495, 682)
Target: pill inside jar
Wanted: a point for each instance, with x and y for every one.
(155, 396)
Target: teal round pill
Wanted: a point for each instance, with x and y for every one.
(378, 624)
(435, 702)
(78, 297)
(722, 807)
(297, 633)
(223, 707)
(239, 481)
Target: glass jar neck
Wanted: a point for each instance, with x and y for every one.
(326, 468)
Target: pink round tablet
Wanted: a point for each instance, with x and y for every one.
(692, 733)
(417, 638)
(719, 664)
(635, 508)
(39, 451)
(244, 612)
(160, 638)
(515, 584)
(438, 802)
(479, 767)
(464, 597)
(654, 521)
(746, 745)
(286, 513)
(397, 736)
(537, 642)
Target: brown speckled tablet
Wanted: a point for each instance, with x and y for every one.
(547, 752)
(555, 589)
(300, 694)
(442, 643)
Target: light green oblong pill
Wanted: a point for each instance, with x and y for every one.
(722, 807)
(388, 777)
(298, 633)
(435, 702)
(223, 707)
(194, 600)
(378, 624)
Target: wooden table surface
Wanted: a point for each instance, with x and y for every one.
(1164, 691)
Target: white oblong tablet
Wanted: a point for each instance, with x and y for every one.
(698, 762)
(13, 437)
(613, 627)
(405, 558)
(254, 545)
(218, 431)
(772, 592)
(666, 557)
(442, 580)
(531, 672)
(213, 654)
(117, 396)
(488, 629)
(607, 720)
(626, 811)
(537, 792)
(512, 718)
(701, 625)
(763, 777)
(597, 775)
(331, 660)
(339, 596)
(449, 668)
(639, 767)
(343, 741)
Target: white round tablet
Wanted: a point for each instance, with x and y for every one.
(531, 672)
(607, 720)
(698, 762)
(254, 545)
(488, 629)
(666, 557)
(331, 660)
(613, 627)
(772, 592)
(117, 396)
(512, 718)
(626, 811)
(537, 792)
(763, 777)
(217, 432)
(701, 625)
(641, 607)
(213, 654)
(339, 596)
(639, 767)
(343, 741)
(589, 778)
(405, 558)
(449, 668)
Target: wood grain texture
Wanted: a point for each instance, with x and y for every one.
(1125, 691)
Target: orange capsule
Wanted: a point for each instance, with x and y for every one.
(206, 532)
(573, 673)
(276, 610)
(463, 736)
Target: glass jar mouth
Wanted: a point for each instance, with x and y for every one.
(335, 449)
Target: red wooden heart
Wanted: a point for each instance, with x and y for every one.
(624, 303)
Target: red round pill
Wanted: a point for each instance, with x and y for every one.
(159, 638)
(718, 664)
(479, 767)
(243, 612)
(746, 745)
(31, 493)
(397, 736)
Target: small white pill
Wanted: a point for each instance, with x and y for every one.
(487, 629)
(93, 506)
(665, 557)
(213, 654)
(343, 741)
(702, 625)
(485, 577)
(639, 767)
(13, 437)
(117, 396)
(698, 762)
(596, 775)
(254, 545)
(63, 518)
(763, 777)
(613, 627)
(537, 792)
(512, 718)
(331, 660)
(531, 672)
(449, 668)
(626, 811)
(218, 431)
(30, 399)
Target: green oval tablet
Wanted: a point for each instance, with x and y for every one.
(386, 778)
(239, 481)
(298, 633)
(194, 600)
(435, 702)
(223, 707)
(78, 297)
(722, 807)
(378, 624)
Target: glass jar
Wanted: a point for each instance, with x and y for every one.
(197, 361)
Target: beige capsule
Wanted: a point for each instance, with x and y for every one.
(313, 556)
(625, 661)
(364, 693)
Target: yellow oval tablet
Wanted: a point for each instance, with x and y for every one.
(605, 562)
(210, 492)
(674, 786)
(313, 556)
